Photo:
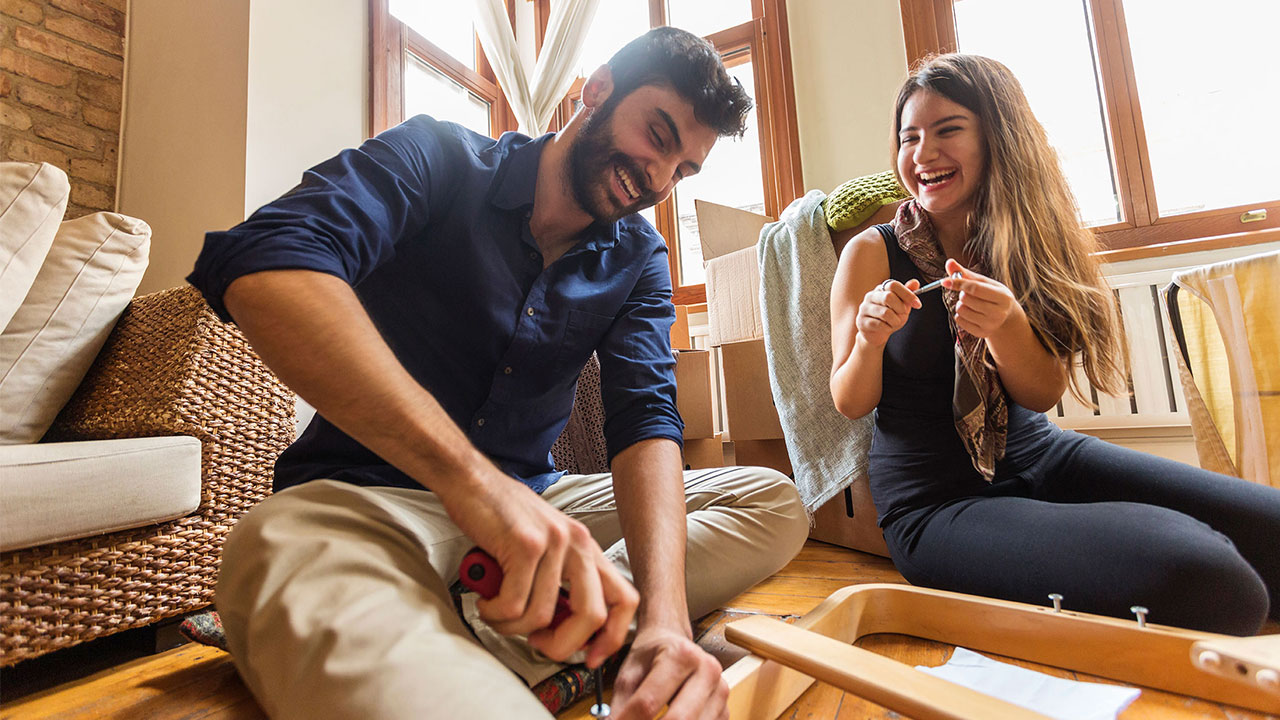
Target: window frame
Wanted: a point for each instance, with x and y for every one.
(390, 43)
(765, 37)
(929, 27)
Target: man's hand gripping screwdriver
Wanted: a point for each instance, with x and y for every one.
(481, 573)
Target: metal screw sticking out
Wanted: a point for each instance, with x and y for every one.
(1057, 602)
(1141, 612)
(600, 710)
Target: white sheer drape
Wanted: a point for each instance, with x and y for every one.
(534, 101)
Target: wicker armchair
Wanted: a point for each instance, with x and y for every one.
(170, 367)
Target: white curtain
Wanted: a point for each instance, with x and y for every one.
(534, 100)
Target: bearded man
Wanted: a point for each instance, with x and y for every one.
(434, 294)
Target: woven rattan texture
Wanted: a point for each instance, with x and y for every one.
(170, 367)
(581, 449)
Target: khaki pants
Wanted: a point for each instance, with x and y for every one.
(336, 605)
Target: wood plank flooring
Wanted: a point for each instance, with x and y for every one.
(199, 683)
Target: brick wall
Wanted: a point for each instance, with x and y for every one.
(61, 65)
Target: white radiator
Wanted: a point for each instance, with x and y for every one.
(1155, 393)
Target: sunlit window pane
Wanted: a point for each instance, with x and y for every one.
(730, 176)
(428, 91)
(703, 17)
(617, 22)
(1206, 79)
(1047, 45)
(448, 24)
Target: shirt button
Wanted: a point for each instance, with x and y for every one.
(506, 370)
(529, 312)
(533, 255)
(480, 422)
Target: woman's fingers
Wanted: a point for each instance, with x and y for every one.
(900, 296)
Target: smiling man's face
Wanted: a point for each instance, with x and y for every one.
(630, 154)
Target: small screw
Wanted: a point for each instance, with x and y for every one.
(1141, 612)
(1057, 602)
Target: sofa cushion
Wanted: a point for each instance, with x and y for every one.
(33, 197)
(61, 491)
(88, 277)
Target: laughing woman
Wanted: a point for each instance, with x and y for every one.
(976, 490)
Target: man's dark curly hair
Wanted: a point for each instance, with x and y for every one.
(689, 65)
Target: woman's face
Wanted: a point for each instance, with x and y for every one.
(941, 155)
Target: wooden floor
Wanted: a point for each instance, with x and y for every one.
(199, 683)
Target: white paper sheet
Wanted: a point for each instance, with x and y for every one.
(1055, 697)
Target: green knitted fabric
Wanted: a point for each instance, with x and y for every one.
(858, 199)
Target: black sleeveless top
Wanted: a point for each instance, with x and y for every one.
(917, 457)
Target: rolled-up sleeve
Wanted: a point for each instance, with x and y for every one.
(343, 219)
(637, 368)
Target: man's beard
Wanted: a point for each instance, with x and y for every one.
(592, 157)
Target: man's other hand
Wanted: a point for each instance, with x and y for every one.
(665, 667)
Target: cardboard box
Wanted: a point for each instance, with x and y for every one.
(763, 453)
(748, 401)
(729, 236)
(849, 520)
(702, 453)
(680, 339)
(693, 392)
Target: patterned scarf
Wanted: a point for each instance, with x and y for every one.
(978, 401)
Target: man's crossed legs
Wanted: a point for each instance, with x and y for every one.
(335, 597)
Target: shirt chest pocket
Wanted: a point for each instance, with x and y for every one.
(582, 335)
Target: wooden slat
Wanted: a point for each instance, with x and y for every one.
(752, 602)
(870, 675)
(846, 572)
(192, 681)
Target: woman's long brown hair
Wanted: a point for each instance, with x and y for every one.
(1024, 225)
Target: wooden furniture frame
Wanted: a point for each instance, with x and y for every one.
(787, 658)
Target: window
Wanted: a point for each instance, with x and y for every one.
(426, 59)
(759, 172)
(1157, 108)
(732, 175)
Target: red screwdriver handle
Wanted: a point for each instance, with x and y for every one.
(481, 573)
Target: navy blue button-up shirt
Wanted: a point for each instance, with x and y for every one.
(429, 222)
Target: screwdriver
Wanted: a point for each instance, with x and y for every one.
(938, 283)
(481, 573)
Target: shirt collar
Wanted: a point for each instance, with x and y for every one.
(517, 179)
(517, 176)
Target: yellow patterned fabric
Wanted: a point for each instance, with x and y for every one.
(1225, 318)
(858, 199)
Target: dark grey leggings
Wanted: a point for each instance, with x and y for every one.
(1108, 528)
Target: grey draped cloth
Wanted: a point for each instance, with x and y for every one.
(797, 264)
